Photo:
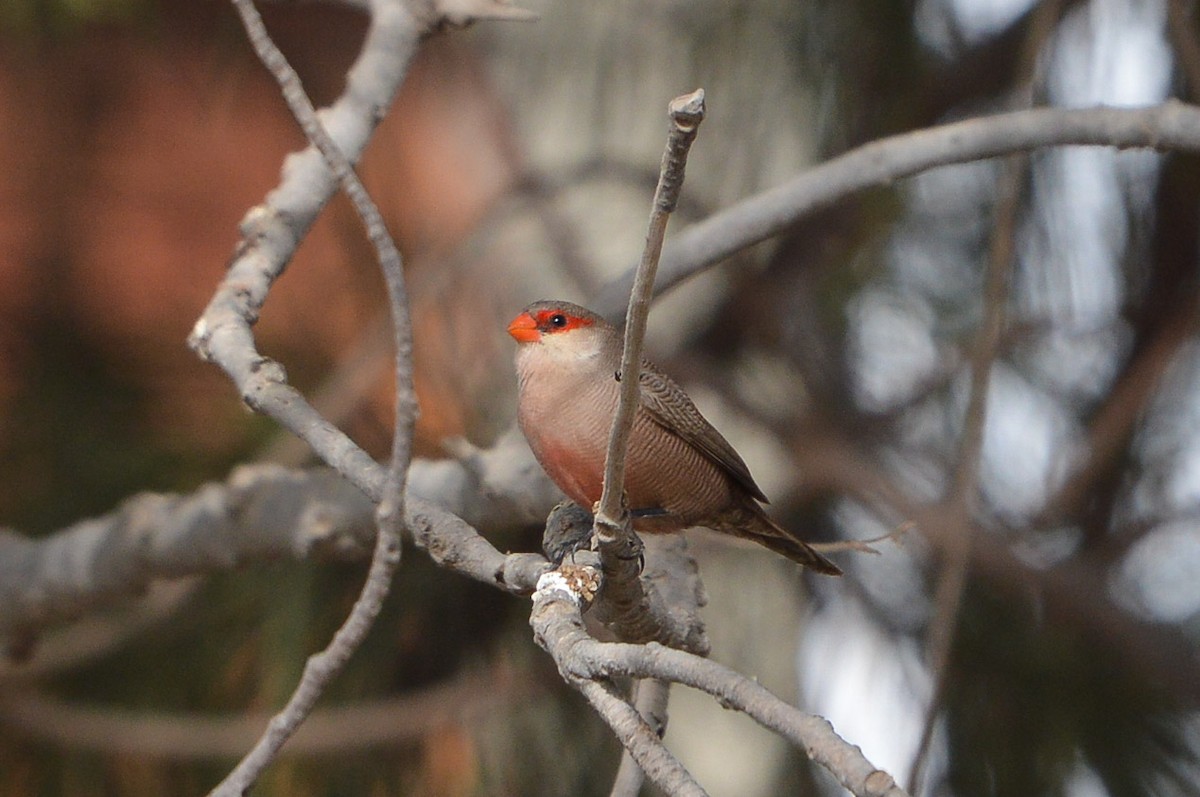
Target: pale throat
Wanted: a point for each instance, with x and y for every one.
(568, 353)
(568, 391)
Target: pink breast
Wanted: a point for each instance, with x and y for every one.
(576, 473)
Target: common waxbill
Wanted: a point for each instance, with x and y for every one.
(679, 470)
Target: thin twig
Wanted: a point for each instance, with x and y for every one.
(323, 667)
(650, 697)
(272, 231)
(686, 112)
(1171, 125)
(641, 741)
(558, 626)
(344, 391)
(961, 501)
(632, 608)
(390, 721)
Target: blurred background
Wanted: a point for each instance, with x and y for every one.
(1038, 633)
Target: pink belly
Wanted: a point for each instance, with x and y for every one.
(577, 473)
(653, 484)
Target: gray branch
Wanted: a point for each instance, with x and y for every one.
(641, 741)
(264, 513)
(1170, 126)
(322, 667)
(558, 626)
(650, 698)
(272, 231)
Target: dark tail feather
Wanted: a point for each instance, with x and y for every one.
(769, 534)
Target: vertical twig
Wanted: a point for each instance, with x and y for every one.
(686, 112)
(641, 742)
(272, 231)
(322, 667)
(627, 599)
(961, 500)
(650, 696)
(613, 532)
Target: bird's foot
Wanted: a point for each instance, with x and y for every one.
(568, 529)
(633, 549)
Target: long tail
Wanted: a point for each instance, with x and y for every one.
(766, 532)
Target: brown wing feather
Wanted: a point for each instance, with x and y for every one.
(670, 408)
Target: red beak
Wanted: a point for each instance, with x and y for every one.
(524, 329)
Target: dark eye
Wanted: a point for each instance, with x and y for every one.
(558, 320)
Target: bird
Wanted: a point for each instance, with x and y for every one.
(680, 472)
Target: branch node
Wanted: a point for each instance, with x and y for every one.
(612, 530)
(269, 370)
(264, 374)
(578, 583)
(686, 112)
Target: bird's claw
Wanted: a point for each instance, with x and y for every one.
(636, 549)
(568, 529)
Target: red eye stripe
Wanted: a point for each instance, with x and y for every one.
(558, 321)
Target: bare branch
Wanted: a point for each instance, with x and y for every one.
(641, 741)
(650, 698)
(964, 481)
(686, 112)
(633, 609)
(558, 626)
(321, 668)
(556, 618)
(662, 603)
(272, 231)
(454, 544)
(262, 513)
(152, 536)
(352, 727)
(1172, 125)
(396, 28)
